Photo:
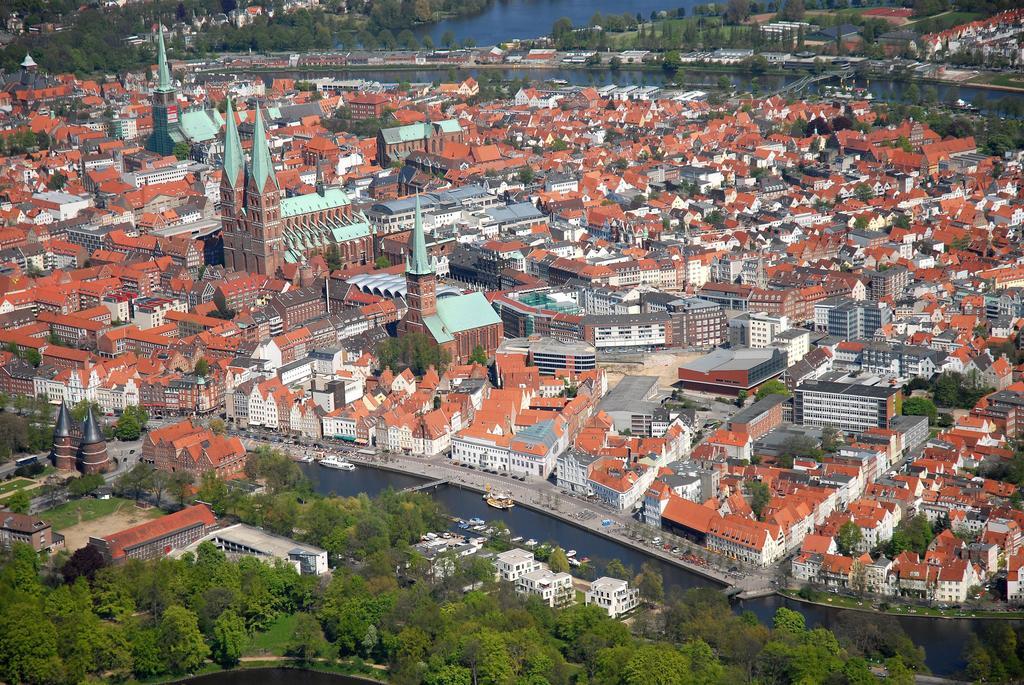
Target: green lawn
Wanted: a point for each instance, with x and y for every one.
(67, 515)
(941, 22)
(1006, 80)
(274, 640)
(14, 484)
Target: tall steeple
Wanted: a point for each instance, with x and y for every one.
(63, 427)
(420, 281)
(163, 73)
(166, 129)
(419, 262)
(261, 168)
(234, 159)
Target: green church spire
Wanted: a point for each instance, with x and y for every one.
(419, 264)
(261, 168)
(234, 161)
(163, 73)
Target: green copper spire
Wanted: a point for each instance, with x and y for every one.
(234, 161)
(419, 264)
(163, 73)
(261, 168)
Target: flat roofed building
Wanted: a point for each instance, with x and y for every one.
(514, 564)
(849, 407)
(555, 589)
(730, 371)
(242, 540)
(613, 595)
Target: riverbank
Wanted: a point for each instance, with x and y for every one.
(591, 523)
(902, 610)
(340, 673)
(984, 81)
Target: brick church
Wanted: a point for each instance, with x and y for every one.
(457, 323)
(263, 230)
(79, 448)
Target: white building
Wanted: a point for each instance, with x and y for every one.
(554, 588)
(514, 564)
(613, 595)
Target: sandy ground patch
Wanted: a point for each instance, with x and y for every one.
(664, 365)
(126, 516)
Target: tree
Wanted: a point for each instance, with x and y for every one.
(863, 192)
(921, 406)
(448, 39)
(307, 643)
(85, 562)
(616, 569)
(671, 62)
(772, 387)
(19, 502)
(526, 175)
(849, 538)
(217, 426)
(479, 356)
(33, 357)
(558, 561)
(760, 495)
(792, 10)
(127, 428)
(57, 181)
(137, 481)
(737, 11)
(831, 439)
(650, 584)
(229, 639)
(201, 368)
(179, 485)
(82, 486)
(789, 621)
(183, 646)
(181, 150)
(382, 262)
(28, 645)
(741, 398)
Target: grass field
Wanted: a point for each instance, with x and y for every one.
(941, 22)
(89, 509)
(1005, 80)
(274, 641)
(14, 484)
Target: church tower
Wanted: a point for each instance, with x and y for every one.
(232, 195)
(420, 281)
(262, 207)
(165, 105)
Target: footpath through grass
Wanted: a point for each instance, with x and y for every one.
(10, 486)
(89, 509)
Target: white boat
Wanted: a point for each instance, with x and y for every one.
(518, 538)
(337, 463)
(575, 563)
(476, 522)
(571, 553)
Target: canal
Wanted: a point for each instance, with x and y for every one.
(942, 639)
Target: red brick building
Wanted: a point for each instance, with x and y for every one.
(157, 538)
(194, 449)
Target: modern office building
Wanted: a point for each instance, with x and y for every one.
(850, 407)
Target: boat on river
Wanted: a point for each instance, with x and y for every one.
(338, 463)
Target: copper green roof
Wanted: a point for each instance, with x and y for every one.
(234, 159)
(458, 314)
(312, 202)
(262, 168)
(418, 131)
(163, 73)
(419, 262)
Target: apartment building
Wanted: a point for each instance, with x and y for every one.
(613, 595)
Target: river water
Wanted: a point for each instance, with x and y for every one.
(275, 676)
(505, 20)
(943, 639)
